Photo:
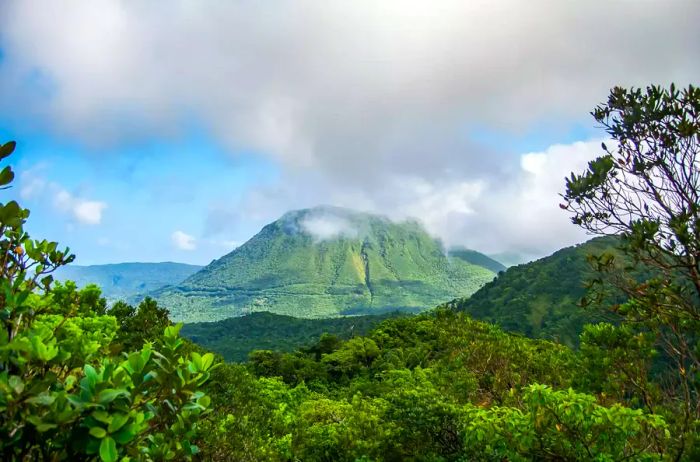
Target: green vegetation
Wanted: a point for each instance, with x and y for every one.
(437, 386)
(127, 281)
(646, 189)
(476, 258)
(363, 264)
(541, 298)
(441, 386)
(68, 389)
(80, 383)
(235, 338)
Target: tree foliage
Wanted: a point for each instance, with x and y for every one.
(646, 189)
(438, 386)
(65, 391)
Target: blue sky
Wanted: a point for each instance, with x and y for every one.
(173, 131)
(150, 190)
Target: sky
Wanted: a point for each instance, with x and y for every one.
(174, 130)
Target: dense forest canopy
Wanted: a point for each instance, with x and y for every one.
(79, 381)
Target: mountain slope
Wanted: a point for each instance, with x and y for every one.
(540, 298)
(127, 281)
(477, 258)
(326, 262)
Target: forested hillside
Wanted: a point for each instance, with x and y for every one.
(476, 258)
(436, 386)
(235, 338)
(541, 298)
(326, 262)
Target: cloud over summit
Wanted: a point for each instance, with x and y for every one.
(364, 104)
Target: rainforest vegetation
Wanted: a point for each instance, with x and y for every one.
(79, 381)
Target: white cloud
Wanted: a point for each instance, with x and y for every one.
(523, 214)
(34, 186)
(324, 226)
(515, 212)
(87, 212)
(364, 104)
(334, 85)
(183, 241)
(228, 244)
(32, 182)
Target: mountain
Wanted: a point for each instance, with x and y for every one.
(326, 262)
(477, 258)
(234, 338)
(127, 281)
(539, 299)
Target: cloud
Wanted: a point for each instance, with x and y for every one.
(334, 85)
(364, 104)
(34, 186)
(327, 225)
(515, 212)
(183, 241)
(87, 212)
(523, 214)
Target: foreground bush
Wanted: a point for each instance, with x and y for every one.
(66, 392)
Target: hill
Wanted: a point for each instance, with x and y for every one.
(326, 262)
(234, 338)
(127, 281)
(539, 299)
(477, 258)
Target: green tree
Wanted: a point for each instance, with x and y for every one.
(139, 325)
(63, 394)
(646, 189)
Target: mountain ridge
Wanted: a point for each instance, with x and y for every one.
(540, 298)
(326, 262)
(128, 280)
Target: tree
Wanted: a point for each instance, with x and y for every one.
(137, 326)
(64, 394)
(646, 189)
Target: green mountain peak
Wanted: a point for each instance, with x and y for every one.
(323, 262)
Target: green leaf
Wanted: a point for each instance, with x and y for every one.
(45, 427)
(102, 416)
(16, 384)
(7, 149)
(126, 434)
(98, 432)
(43, 399)
(6, 176)
(110, 394)
(91, 374)
(118, 420)
(172, 332)
(108, 450)
(207, 361)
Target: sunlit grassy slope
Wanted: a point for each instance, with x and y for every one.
(326, 262)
